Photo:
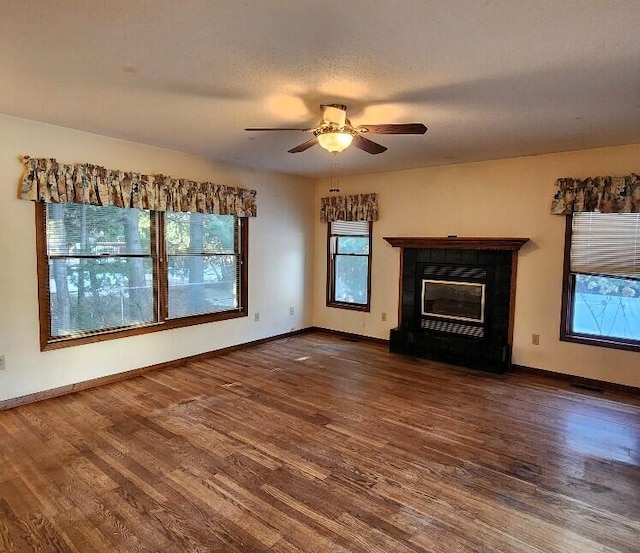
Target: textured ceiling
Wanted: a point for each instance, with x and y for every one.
(491, 79)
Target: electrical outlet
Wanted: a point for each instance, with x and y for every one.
(291, 311)
(2, 365)
(535, 339)
(256, 317)
(384, 317)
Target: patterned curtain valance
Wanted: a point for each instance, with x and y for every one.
(48, 181)
(604, 194)
(359, 207)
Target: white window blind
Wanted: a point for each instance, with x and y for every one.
(606, 244)
(350, 228)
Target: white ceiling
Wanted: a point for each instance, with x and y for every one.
(491, 79)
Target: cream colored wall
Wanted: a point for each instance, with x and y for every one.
(497, 198)
(509, 198)
(280, 272)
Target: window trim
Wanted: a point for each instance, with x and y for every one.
(566, 313)
(330, 287)
(160, 287)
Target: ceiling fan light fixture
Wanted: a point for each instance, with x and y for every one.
(335, 141)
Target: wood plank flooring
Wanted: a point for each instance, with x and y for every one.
(316, 443)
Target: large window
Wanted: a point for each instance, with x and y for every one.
(105, 272)
(349, 265)
(601, 293)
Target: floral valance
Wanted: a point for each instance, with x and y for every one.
(359, 207)
(604, 194)
(48, 181)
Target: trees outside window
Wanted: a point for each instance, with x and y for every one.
(349, 265)
(107, 271)
(601, 292)
(203, 263)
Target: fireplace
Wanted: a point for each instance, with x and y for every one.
(456, 300)
(461, 301)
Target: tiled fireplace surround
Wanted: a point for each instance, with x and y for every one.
(490, 261)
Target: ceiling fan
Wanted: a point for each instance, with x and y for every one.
(335, 132)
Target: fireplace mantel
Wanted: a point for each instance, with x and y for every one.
(457, 243)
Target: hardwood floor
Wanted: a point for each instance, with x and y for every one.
(316, 443)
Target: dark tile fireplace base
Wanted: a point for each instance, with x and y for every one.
(457, 350)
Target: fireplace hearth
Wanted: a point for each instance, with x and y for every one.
(457, 300)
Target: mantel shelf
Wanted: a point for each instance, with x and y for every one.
(455, 242)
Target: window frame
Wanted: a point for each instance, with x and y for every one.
(331, 270)
(160, 289)
(567, 308)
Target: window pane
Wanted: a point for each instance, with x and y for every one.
(202, 284)
(351, 279)
(607, 307)
(74, 229)
(98, 294)
(200, 233)
(353, 244)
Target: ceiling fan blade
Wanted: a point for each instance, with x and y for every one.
(335, 114)
(304, 146)
(367, 145)
(275, 129)
(402, 128)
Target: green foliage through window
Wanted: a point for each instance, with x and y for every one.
(203, 264)
(104, 270)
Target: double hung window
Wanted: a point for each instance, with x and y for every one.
(601, 293)
(349, 265)
(105, 272)
(203, 262)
